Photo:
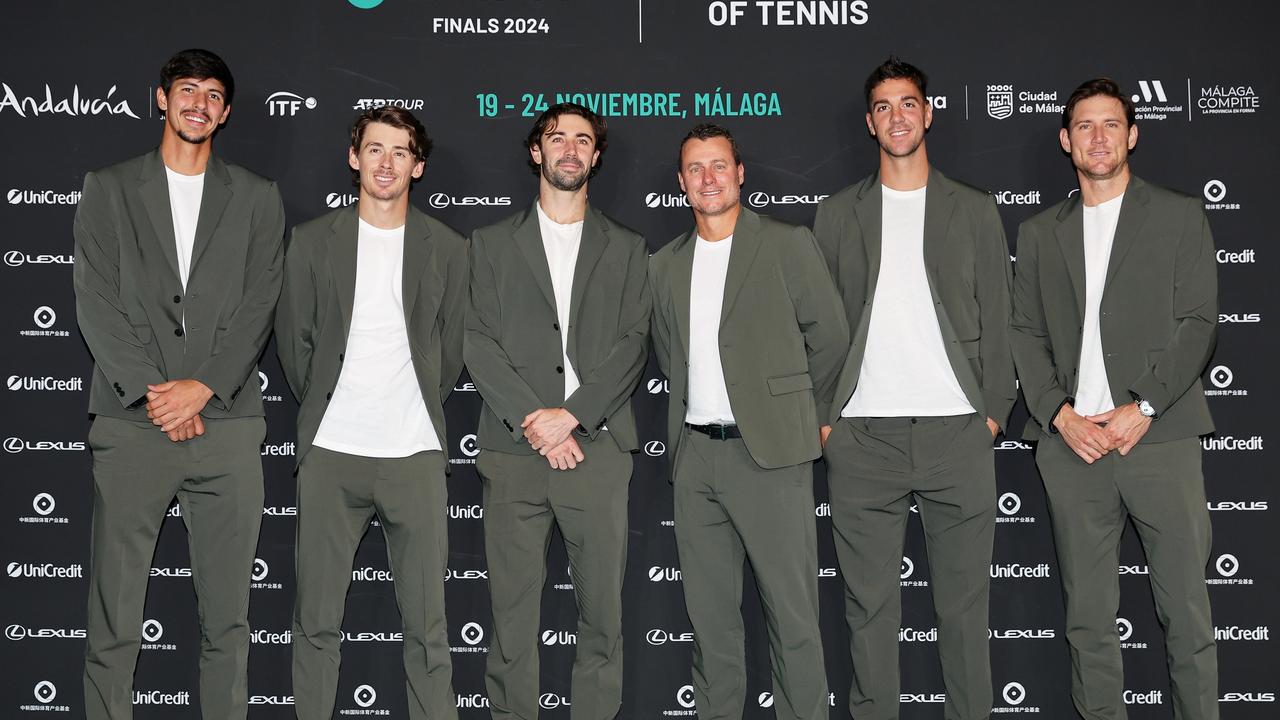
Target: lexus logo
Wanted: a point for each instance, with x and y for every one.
(685, 696)
(654, 448)
(468, 445)
(1014, 693)
(551, 701)
(758, 199)
(365, 696)
(15, 632)
(152, 630)
(13, 258)
(907, 568)
(45, 317)
(1221, 376)
(472, 633)
(262, 380)
(45, 692)
(260, 569)
(1215, 191)
(43, 503)
(1124, 628)
(1227, 565)
(439, 200)
(13, 445)
(1010, 503)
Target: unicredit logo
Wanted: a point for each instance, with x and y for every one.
(657, 386)
(765, 699)
(18, 196)
(657, 200)
(762, 199)
(337, 200)
(443, 200)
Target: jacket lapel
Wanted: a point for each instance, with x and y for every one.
(528, 236)
(746, 244)
(213, 201)
(590, 249)
(417, 253)
(869, 209)
(681, 277)
(1070, 232)
(1133, 214)
(153, 188)
(343, 239)
(938, 206)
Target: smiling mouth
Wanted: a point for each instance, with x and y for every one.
(195, 118)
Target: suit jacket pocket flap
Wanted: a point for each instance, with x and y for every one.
(790, 383)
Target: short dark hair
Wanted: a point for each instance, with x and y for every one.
(706, 131)
(1092, 88)
(397, 117)
(892, 69)
(549, 119)
(198, 64)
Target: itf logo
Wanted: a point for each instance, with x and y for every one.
(284, 103)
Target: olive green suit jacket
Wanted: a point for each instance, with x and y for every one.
(966, 260)
(783, 336)
(1159, 310)
(130, 302)
(512, 344)
(314, 318)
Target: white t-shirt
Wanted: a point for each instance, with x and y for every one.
(377, 408)
(905, 370)
(560, 242)
(1093, 393)
(708, 395)
(185, 192)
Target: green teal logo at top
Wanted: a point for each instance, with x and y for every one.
(365, 4)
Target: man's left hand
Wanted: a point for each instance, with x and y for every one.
(170, 404)
(546, 428)
(1125, 426)
(994, 427)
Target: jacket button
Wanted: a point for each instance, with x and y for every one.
(177, 298)
(119, 392)
(560, 369)
(177, 331)
(555, 326)
(328, 396)
(341, 356)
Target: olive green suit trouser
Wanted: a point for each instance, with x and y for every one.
(217, 479)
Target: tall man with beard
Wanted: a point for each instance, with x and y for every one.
(1115, 314)
(555, 343)
(749, 331)
(922, 266)
(369, 334)
(177, 273)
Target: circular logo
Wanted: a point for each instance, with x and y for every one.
(472, 633)
(652, 200)
(1215, 191)
(469, 446)
(15, 196)
(45, 317)
(549, 701)
(45, 692)
(365, 4)
(907, 568)
(1221, 376)
(13, 258)
(15, 632)
(14, 569)
(1227, 565)
(310, 103)
(438, 200)
(758, 199)
(549, 637)
(43, 503)
(15, 382)
(333, 200)
(1014, 693)
(657, 386)
(1124, 628)
(262, 380)
(152, 630)
(1010, 503)
(685, 696)
(765, 699)
(13, 445)
(654, 448)
(365, 696)
(656, 636)
(260, 569)
(655, 573)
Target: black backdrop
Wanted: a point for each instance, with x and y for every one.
(78, 81)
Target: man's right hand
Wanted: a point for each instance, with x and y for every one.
(1086, 439)
(566, 455)
(191, 428)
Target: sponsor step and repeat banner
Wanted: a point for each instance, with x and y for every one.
(77, 87)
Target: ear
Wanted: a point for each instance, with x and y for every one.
(742, 173)
(353, 160)
(226, 111)
(162, 101)
(535, 153)
(928, 114)
(1064, 139)
(680, 179)
(595, 158)
(1133, 136)
(871, 128)
(417, 169)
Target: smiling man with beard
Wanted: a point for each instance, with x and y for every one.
(555, 343)
(177, 273)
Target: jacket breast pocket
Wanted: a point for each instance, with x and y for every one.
(790, 383)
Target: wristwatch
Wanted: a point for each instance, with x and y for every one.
(1145, 408)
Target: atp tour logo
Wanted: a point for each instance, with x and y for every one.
(1228, 567)
(472, 635)
(1014, 695)
(1124, 631)
(406, 103)
(666, 200)
(906, 570)
(43, 504)
(655, 448)
(1221, 378)
(1215, 195)
(657, 386)
(339, 200)
(283, 103)
(1009, 505)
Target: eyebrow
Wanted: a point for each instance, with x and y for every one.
(551, 133)
(393, 147)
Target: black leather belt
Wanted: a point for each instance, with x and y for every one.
(716, 432)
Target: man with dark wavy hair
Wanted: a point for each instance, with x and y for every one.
(177, 273)
(922, 266)
(555, 343)
(369, 333)
(1115, 314)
